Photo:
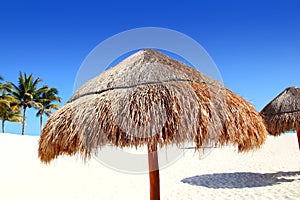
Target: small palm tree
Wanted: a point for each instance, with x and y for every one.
(9, 113)
(12, 116)
(9, 109)
(46, 100)
(26, 92)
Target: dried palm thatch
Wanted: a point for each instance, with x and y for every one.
(150, 99)
(283, 112)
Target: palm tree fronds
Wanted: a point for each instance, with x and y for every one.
(26, 94)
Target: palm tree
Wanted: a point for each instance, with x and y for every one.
(46, 100)
(9, 106)
(9, 110)
(27, 93)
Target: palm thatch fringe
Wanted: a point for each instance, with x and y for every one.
(96, 120)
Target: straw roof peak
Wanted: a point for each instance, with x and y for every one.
(146, 56)
(288, 101)
(283, 112)
(146, 66)
(293, 89)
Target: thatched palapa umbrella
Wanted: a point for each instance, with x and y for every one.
(150, 99)
(283, 113)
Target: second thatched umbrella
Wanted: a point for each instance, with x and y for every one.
(150, 99)
(283, 113)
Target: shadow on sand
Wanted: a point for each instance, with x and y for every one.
(241, 179)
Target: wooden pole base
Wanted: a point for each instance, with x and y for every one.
(153, 173)
(298, 135)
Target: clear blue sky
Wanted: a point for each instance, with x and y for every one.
(255, 44)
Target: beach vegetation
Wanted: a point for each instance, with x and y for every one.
(47, 103)
(17, 98)
(9, 107)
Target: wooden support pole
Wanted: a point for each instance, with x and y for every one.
(298, 135)
(153, 173)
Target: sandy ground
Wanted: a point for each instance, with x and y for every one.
(272, 172)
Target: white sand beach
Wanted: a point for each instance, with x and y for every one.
(272, 172)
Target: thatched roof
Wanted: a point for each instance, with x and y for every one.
(283, 112)
(150, 98)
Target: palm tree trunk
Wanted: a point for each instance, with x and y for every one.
(41, 122)
(298, 135)
(23, 122)
(3, 126)
(153, 173)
